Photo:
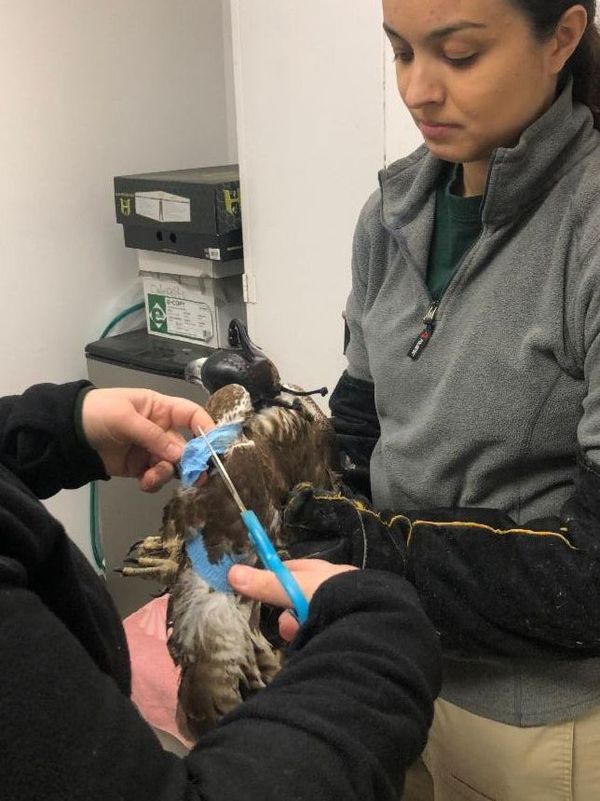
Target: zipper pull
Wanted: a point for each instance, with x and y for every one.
(426, 334)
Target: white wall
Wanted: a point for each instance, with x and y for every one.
(317, 116)
(91, 90)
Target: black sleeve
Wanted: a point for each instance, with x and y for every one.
(490, 586)
(356, 425)
(343, 719)
(39, 441)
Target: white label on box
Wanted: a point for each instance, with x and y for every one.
(147, 207)
(179, 317)
(163, 206)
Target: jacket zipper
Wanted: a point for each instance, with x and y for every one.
(422, 340)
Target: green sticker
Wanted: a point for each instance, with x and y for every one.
(157, 313)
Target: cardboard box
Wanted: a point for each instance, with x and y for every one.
(193, 212)
(190, 305)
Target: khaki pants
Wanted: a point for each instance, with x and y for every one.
(469, 758)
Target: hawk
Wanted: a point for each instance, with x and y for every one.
(214, 635)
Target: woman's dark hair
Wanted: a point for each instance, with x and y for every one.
(584, 64)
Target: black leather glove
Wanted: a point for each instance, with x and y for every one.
(343, 529)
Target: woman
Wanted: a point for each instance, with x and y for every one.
(474, 371)
(321, 730)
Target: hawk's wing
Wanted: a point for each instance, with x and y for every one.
(280, 447)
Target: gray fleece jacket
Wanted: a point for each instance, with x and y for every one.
(504, 395)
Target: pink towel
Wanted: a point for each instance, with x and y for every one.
(154, 677)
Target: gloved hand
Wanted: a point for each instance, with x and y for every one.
(343, 529)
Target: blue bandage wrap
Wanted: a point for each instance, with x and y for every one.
(196, 454)
(194, 462)
(214, 573)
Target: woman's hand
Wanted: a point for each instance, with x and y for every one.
(262, 585)
(135, 431)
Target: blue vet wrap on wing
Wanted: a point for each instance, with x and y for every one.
(214, 573)
(196, 454)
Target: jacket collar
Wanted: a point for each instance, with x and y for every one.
(517, 177)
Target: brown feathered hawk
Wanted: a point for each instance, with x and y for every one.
(285, 439)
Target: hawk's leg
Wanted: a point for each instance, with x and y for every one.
(154, 558)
